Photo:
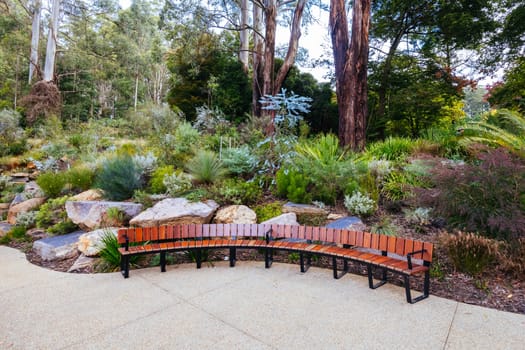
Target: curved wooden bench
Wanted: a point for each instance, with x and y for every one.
(399, 255)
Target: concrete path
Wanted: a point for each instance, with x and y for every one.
(246, 307)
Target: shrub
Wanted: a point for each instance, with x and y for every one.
(27, 219)
(114, 217)
(393, 148)
(268, 211)
(487, 197)
(146, 163)
(293, 186)
(206, 167)
(176, 148)
(385, 227)
(325, 166)
(237, 191)
(470, 253)
(52, 216)
(12, 139)
(177, 183)
(240, 160)
(360, 204)
(512, 258)
(52, 183)
(18, 232)
(156, 183)
(119, 178)
(397, 186)
(80, 178)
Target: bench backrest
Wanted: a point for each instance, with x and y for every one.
(389, 244)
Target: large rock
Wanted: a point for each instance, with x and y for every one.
(348, 223)
(90, 243)
(83, 264)
(235, 214)
(303, 209)
(89, 195)
(176, 211)
(32, 190)
(89, 215)
(23, 207)
(58, 247)
(5, 228)
(283, 219)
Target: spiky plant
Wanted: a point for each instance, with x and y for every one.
(503, 128)
(206, 167)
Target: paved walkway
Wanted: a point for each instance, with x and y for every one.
(247, 307)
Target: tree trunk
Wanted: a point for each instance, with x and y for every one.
(258, 51)
(293, 46)
(49, 67)
(244, 54)
(270, 21)
(136, 95)
(351, 62)
(35, 38)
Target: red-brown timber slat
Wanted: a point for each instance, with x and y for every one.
(308, 233)
(322, 234)
(391, 244)
(400, 246)
(198, 231)
(367, 240)
(352, 237)
(192, 231)
(122, 233)
(375, 241)
(359, 238)
(330, 235)
(427, 256)
(316, 236)
(177, 232)
(409, 246)
(295, 231)
(138, 235)
(162, 232)
(383, 243)
(287, 231)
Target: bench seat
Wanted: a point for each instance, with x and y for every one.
(384, 253)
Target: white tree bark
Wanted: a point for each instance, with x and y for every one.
(35, 38)
(49, 67)
(244, 55)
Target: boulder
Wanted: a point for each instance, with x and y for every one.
(283, 219)
(32, 190)
(335, 216)
(83, 264)
(23, 207)
(235, 214)
(303, 209)
(348, 223)
(5, 228)
(90, 243)
(89, 195)
(89, 215)
(176, 211)
(57, 247)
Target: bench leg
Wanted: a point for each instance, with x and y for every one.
(198, 258)
(345, 268)
(268, 257)
(426, 287)
(233, 256)
(371, 278)
(124, 265)
(305, 267)
(162, 261)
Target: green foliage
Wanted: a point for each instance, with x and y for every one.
(110, 255)
(360, 204)
(511, 93)
(267, 211)
(237, 191)
(52, 183)
(12, 138)
(80, 178)
(397, 186)
(177, 147)
(393, 149)
(52, 216)
(115, 217)
(119, 178)
(156, 182)
(287, 109)
(385, 227)
(27, 219)
(293, 186)
(485, 197)
(470, 253)
(143, 198)
(177, 183)
(154, 120)
(325, 167)
(240, 160)
(206, 167)
(502, 128)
